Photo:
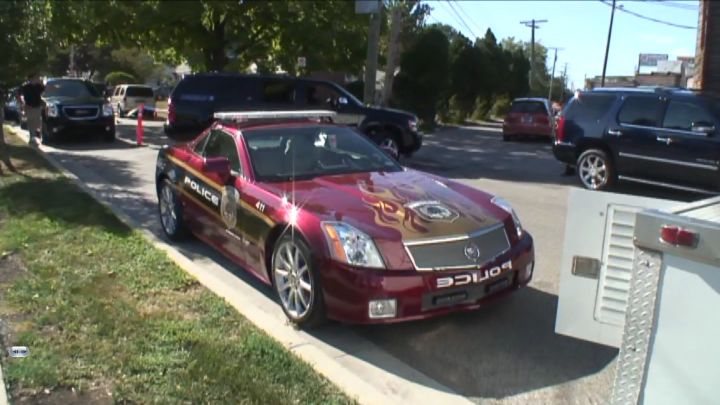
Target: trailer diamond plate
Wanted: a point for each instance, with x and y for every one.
(638, 328)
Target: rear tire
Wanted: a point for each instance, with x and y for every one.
(296, 281)
(170, 213)
(596, 170)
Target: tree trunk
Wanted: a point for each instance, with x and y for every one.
(215, 57)
(392, 59)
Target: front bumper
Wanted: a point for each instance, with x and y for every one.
(348, 290)
(96, 126)
(412, 141)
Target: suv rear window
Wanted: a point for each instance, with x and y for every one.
(528, 107)
(222, 89)
(644, 111)
(135, 91)
(591, 107)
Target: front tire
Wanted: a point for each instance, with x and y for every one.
(596, 170)
(109, 137)
(170, 212)
(297, 282)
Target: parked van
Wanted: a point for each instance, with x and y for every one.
(127, 97)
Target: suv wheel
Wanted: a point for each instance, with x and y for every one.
(386, 141)
(595, 170)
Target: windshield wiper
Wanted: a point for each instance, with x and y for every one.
(291, 177)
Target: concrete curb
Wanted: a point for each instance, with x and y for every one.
(336, 368)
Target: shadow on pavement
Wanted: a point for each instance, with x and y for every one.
(478, 354)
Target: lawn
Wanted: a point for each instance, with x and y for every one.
(109, 318)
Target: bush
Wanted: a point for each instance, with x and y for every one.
(458, 110)
(481, 110)
(115, 78)
(500, 107)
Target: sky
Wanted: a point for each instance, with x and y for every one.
(580, 28)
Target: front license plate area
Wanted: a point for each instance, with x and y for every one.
(465, 295)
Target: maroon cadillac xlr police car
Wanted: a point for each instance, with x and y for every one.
(335, 225)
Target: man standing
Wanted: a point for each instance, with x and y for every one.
(32, 103)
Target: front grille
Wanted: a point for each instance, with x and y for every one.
(81, 112)
(450, 253)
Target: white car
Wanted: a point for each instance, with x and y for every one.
(127, 97)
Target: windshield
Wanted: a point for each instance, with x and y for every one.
(70, 88)
(282, 154)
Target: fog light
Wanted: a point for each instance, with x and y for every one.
(56, 129)
(382, 308)
(107, 128)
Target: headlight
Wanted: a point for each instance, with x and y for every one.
(52, 110)
(349, 245)
(107, 110)
(502, 203)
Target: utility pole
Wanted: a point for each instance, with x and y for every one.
(533, 24)
(607, 46)
(552, 76)
(372, 54)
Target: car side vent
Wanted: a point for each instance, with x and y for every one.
(617, 262)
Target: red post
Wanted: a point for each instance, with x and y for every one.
(139, 129)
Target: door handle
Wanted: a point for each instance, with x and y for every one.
(665, 140)
(614, 132)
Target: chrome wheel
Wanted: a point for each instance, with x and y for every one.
(391, 146)
(593, 171)
(168, 215)
(293, 280)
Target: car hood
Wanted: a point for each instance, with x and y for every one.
(403, 205)
(382, 110)
(74, 100)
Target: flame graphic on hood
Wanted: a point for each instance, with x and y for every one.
(389, 208)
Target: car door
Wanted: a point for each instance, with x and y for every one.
(223, 200)
(191, 182)
(634, 135)
(689, 143)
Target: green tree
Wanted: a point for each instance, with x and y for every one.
(420, 83)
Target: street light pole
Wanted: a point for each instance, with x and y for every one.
(607, 46)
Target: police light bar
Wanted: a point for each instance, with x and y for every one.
(269, 115)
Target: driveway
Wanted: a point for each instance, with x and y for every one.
(506, 353)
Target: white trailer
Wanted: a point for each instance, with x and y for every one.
(643, 275)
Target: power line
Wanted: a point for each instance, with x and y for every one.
(461, 19)
(690, 7)
(624, 10)
(457, 3)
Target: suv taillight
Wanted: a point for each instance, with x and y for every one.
(560, 129)
(171, 111)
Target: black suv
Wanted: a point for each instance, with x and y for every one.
(659, 136)
(75, 106)
(194, 100)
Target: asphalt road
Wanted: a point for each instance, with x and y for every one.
(506, 353)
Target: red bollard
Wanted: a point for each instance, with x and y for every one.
(139, 129)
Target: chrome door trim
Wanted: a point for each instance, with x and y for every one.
(669, 185)
(670, 161)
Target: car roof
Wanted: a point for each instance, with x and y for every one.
(680, 91)
(530, 99)
(255, 76)
(287, 123)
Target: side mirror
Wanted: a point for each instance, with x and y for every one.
(703, 127)
(218, 165)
